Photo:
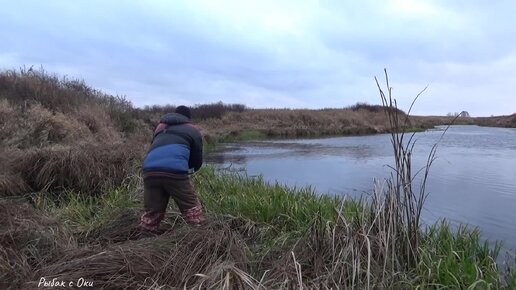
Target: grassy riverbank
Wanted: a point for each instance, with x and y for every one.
(258, 236)
(71, 194)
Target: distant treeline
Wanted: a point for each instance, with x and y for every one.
(200, 112)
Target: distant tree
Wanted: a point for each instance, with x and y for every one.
(457, 114)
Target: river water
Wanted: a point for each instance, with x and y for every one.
(472, 181)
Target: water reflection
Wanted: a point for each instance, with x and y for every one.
(239, 153)
(224, 158)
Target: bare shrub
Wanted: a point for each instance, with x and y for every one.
(215, 110)
(199, 112)
(374, 108)
(159, 109)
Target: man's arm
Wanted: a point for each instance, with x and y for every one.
(195, 161)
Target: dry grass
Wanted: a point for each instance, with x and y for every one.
(65, 102)
(35, 246)
(180, 258)
(12, 184)
(298, 123)
(497, 121)
(28, 241)
(508, 121)
(83, 168)
(350, 252)
(40, 127)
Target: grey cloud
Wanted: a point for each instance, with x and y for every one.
(167, 52)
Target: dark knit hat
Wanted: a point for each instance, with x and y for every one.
(184, 110)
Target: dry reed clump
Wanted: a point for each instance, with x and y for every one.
(330, 256)
(6, 112)
(8, 123)
(122, 227)
(11, 183)
(38, 127)
(29, 87)
(65, 95)
(41, 127)
(99, 123)
(85, 168)
(46, 128)
(28, 241)
(185, 257)
(49, 90)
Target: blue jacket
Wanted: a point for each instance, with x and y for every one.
(176, 148)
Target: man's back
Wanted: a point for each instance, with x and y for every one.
(176, 147)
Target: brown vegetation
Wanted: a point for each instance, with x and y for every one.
(508, 121)
(497, 121)
(83, 168)
(164, 260)
(33, 245)
(298, 123)
(29, 240)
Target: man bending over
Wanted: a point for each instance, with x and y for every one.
(175, 153)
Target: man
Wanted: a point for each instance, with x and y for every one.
(175, 153)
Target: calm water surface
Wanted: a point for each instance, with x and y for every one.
(472, 181)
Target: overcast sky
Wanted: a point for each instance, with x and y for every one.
(296, 54)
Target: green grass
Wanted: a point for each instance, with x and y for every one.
(286, 208)
(243, 135)
(449, 259)
(251, 134)
(286, 216)
(81, 212)
(458, 259)
(415, 130)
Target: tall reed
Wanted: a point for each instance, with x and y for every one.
(398, 203)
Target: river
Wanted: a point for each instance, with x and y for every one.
(472, 181)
